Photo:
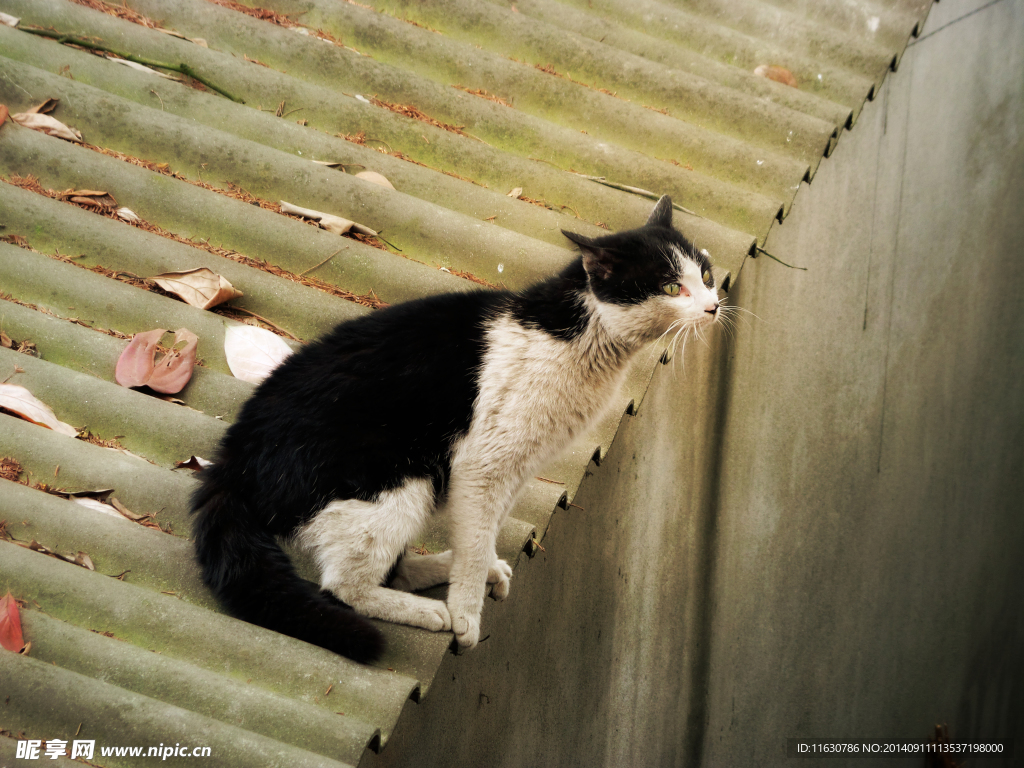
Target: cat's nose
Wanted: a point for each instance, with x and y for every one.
(713, 309)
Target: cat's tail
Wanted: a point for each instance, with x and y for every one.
(255, 580)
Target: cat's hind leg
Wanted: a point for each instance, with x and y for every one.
(416, 571)
(357, 542)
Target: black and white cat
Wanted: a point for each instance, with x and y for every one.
(447, 404)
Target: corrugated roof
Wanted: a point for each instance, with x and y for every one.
(586, 106)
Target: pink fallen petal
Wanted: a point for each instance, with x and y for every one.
(10, 624)
(135, 365)
(174, 370)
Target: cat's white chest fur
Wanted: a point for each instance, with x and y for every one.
(536, 393)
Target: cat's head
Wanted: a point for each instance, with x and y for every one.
(648, 281)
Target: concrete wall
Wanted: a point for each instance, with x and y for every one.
(870, 552)
(816, 527)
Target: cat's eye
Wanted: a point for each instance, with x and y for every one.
(706, 277)
(672, 289)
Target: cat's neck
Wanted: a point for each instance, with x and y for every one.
(615, 328)
(603, 335)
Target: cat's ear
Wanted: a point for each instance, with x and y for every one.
(597, 261)
(661, 216)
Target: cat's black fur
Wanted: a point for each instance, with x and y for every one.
(377, 401)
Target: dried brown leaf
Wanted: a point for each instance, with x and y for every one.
(375, 178)
(100, 494)
(194, 463)
(48, 125)
(46, 107)
(144, 520)
(202, 288)
(124, 511)
(409, 110)
(81, 559)
(92, 198)
(483, 95)
(96, 505)
(21, 402)
(331, 223)
(120, 11)
(84, 560)
(136, 366)
(778, 74)
(169, 399)
(10, 469)
(172, 33)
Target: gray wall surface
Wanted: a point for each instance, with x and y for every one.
(815, 526)
(869, 560)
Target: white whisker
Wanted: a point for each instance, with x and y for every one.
(654, 344)
(684, 333)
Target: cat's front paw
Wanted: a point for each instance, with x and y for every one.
(499, 575)
(436, 617)
(467, 631)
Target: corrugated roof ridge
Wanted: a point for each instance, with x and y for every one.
(455, 242)
(526, 135)
(538, 178)
(643, 41)
(44, 696)
(479, 55)
(116, 544)
(155, 429)
(200, 636)
(212, 694)
(286, 135)
(728, 46)
(886, 23)
(205, 638)
(795, 32)
(122, 258)
(924, 8)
